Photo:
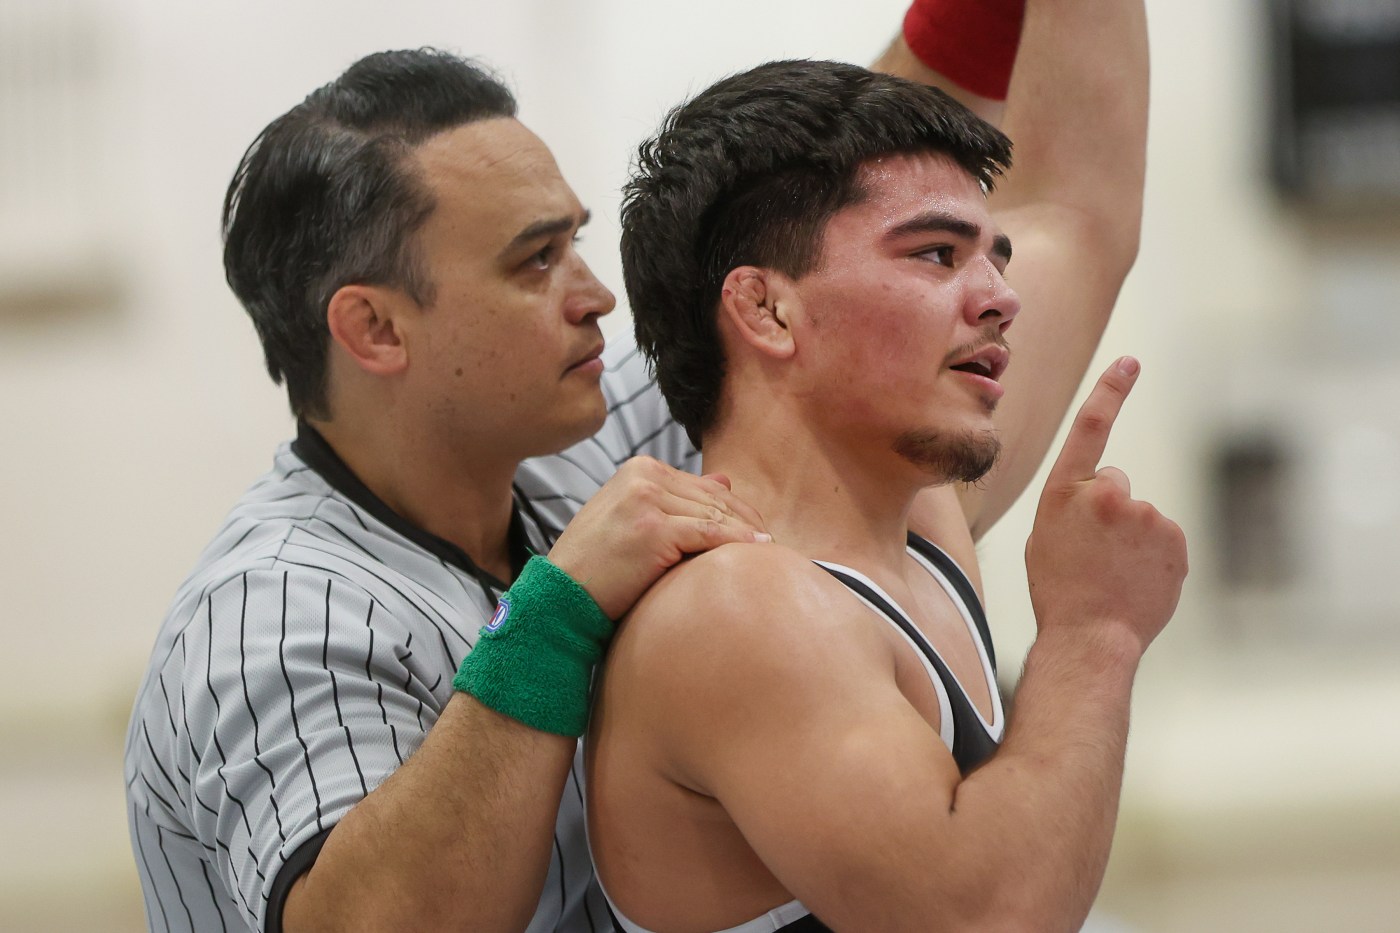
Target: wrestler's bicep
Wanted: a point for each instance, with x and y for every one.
(840, 786)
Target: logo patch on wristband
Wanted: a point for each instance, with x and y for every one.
(502, 610)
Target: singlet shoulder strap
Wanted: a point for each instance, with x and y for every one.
(969, 737)
(961, 585)
(877, 599)
(938, 671)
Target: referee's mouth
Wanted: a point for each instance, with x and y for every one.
(590, 363)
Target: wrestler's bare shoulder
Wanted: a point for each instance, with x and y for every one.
(756, 593)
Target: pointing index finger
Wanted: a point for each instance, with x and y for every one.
(1088, 435)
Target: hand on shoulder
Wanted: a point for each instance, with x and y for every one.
(738, 585)
(645, 519)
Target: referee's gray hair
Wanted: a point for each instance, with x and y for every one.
(328, 196)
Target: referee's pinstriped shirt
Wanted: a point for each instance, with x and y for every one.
(307, 655)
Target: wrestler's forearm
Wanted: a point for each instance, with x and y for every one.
(1105, 574)
(1042, 811)
(1076, 113)
(458, 838)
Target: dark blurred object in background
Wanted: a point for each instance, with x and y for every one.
(1336, 107)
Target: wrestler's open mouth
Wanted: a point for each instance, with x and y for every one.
(989, 362)
(976, 366)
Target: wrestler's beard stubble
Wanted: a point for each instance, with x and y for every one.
(955, 457)
(950, 458)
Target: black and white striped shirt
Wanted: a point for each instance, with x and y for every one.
(308, 654)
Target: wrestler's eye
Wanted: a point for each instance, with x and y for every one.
(943, 255)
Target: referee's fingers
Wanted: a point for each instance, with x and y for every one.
(709, 508)
(692, 534)
(738, 506)
(713, 489)
(720, 478)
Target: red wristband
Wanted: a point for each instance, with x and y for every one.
(970, 42)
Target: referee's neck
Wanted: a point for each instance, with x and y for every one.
(464, 500)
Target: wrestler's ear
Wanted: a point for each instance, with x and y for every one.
(365, 322)
(758, 304)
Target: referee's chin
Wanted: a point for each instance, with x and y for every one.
(587, 422)
(590, 426)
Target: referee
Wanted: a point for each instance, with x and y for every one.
(299, 707)
(362, 709)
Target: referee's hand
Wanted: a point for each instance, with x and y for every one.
(642, 522)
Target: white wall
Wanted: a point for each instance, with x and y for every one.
(129, 428)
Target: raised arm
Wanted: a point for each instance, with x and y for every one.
(963, 48)
(1072, 205)
(1076, 112)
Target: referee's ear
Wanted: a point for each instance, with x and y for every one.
(362, 323)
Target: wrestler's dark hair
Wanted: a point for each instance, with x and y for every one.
(329, 195)
(749, 172)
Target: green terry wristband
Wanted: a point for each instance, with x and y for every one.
(534, 660)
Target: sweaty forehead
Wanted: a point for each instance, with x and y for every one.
(917, 182)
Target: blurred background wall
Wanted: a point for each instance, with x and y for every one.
(1263, 786)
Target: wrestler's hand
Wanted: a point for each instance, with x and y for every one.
(1096, 556)
(642, 522)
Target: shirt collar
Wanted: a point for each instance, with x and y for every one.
(318, 454)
